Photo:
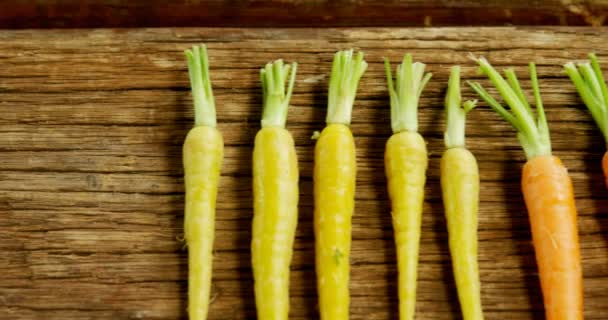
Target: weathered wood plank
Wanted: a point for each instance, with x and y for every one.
(91, 195)
(281, 13)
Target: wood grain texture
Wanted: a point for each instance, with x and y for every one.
(298, 13)
(91, 195)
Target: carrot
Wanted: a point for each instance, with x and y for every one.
(605, 166)
(405, 161)
(203, 152)
(460, 191)
(547, 190)
(592, 89)
(334, 187)
(275, 193)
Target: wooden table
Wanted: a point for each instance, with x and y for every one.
(91, 195)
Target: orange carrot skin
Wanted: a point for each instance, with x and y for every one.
(549, 198)
(605, 167)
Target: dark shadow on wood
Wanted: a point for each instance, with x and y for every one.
(253, 110)
(433, 186)
(433, 197)
(319, 112)
(518, 216)
(599, 194)
(375, 156)
(181, 127)
(305, 234)
(596, 186)
(243, 237)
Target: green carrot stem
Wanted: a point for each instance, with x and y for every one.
(456, 115)
(198, 71)
(591, 87)
(275, 96)
(600, 77)
(532, 131)
(345, 74)
(410, 80)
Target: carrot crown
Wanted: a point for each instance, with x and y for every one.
(410, 80)
(345, 74)
(456, 114)
(591, 86)
(198, 70)
(275, 97)
(532, 130)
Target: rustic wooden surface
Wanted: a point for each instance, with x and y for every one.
(317, 13)
(91, 195)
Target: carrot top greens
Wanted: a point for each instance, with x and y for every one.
(591, 86)
(532, 129)
(276, 98)
(345, 74)
(198, 70)
(409, 83)
(456, 114)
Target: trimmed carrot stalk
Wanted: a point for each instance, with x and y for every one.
(203, 152)
(460, 191)
(590, 84)
(548, 194)
(275, 193)
(405, 161)
(334, 188)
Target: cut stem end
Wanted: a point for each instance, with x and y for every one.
(410, 80)
(347, 70)
(454, 135)
(275, 95)
(200, 82)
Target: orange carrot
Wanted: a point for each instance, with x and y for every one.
(548, 194)
(605, 166)
(547, 190)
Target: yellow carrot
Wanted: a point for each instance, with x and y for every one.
(405, 161)
(202, 155)
(275, 193)
(460, 191)
(334, 188)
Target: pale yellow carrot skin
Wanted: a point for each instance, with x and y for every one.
(460, 190)
(405, 162)
(275, 192)
(203, 152)
(334, 188)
